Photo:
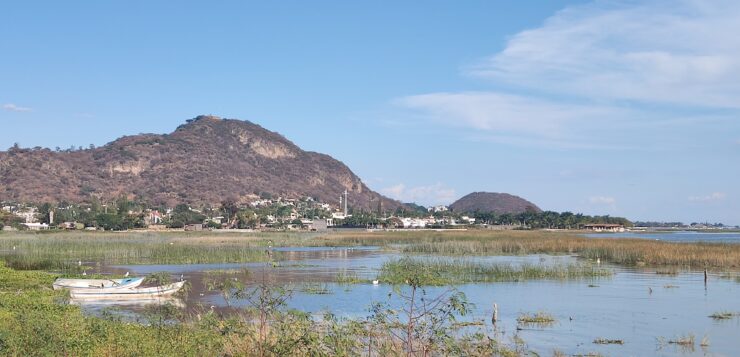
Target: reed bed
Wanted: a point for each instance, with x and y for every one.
(71, 252)
(444, 271)
(631, 252)
(209, 247)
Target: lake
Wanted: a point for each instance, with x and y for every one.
(636, 305)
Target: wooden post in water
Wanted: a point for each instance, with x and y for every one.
(705, 276)
(494, 316)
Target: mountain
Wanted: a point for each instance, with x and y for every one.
(498, 203)
(204, 161)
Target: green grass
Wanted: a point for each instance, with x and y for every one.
(450, 271)
(63, 252)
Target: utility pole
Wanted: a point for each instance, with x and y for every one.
(345, 203)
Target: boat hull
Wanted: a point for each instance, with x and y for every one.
(130, 293)
(97, 284)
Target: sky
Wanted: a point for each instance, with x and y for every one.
(626, 108)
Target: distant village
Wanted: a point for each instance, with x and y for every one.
(279, 213)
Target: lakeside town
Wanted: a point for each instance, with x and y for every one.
(268, 213)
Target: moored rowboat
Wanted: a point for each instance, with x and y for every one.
(97, 284)
(130, 293)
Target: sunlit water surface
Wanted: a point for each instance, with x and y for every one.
(638, 306)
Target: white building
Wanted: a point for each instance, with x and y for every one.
(414, 222)
(36, 226)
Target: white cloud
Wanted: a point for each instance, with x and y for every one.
(426, 195)
(679, 52)
(712, 197)
(602, 200)
(14, 108)
(595, 74)
(500, 112)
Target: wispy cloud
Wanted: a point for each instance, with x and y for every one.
(427, 195)
(712, 197)
(601, 70)
(675, 52)
(14, 108)
(499, 112)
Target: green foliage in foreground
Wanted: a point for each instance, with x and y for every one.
(442, 271)
(38, 321)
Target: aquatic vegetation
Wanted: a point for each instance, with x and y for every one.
(631, 252)
(348, 277)
(61, 250)
(444, 271)
(667, 271)
(606, 341)
(724, 315)
(71, 253)
(537, 318)
(685, 340)
(315, 288)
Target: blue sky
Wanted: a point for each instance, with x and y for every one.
(604, 107)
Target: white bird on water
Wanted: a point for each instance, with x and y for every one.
(376, 282)
(79, 262)
(126, 275)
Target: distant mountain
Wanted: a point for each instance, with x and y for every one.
(498, 203)
(204, 161)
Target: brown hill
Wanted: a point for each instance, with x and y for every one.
(498, 203)
(204, 161)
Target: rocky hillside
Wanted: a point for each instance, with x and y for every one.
(204, 161)
(498, 203)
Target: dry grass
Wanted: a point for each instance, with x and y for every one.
(619, 251)
(633, 252)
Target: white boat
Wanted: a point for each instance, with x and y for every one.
(127, 293)
(96, 303)
(97, 284)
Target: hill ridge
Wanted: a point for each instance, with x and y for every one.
(203, 161)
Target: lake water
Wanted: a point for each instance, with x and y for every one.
(678, 236)
(635, 305)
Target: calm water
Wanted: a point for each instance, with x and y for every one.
(680, 236)
(620, 307)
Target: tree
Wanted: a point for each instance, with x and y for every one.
(183, 215)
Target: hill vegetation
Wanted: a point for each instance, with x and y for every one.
(204, 161)
(493, 202)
